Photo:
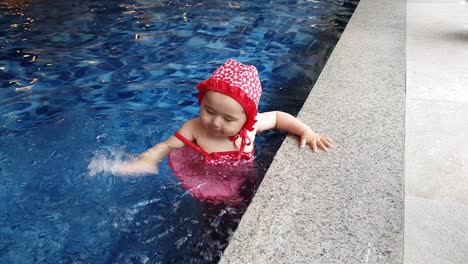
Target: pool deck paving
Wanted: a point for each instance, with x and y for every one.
(436, 149)
(394, 189)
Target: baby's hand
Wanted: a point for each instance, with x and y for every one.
(100, 164)
(313, 140)
(121, 168)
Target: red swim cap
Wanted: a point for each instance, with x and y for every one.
(238, 81)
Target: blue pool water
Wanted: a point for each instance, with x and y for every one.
(86, 78)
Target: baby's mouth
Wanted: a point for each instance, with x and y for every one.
(214, 131)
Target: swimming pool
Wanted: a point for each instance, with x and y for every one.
(109, 77)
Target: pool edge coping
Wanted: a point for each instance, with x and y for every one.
(345, 206)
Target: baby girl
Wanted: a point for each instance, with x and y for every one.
(223, 134)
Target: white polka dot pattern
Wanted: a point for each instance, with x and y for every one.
(245, 77)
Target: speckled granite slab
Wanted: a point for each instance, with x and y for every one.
(345, 206)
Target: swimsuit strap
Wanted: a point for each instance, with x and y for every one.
(191, 144)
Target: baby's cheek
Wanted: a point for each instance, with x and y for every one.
(235, 129)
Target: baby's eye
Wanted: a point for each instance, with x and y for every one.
(228, 119)
(209, 111)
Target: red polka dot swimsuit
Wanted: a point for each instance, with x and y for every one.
(216, 177)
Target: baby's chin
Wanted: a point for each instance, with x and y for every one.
(216, 133)
(219, 134)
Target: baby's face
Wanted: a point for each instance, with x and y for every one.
(221, 115)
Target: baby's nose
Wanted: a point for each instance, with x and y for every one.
(216, 121)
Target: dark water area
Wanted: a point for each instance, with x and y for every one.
(85, 78)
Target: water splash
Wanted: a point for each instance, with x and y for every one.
(109, 161)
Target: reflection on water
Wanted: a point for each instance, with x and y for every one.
(112, 77)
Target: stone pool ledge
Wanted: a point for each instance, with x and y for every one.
(345, 206)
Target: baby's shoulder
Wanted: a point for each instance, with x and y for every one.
(265, 121)
(191, 128)
(192, 124)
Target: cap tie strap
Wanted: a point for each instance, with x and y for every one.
(245, 141)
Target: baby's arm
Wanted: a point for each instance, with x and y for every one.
(284, 121)
(147, 162)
